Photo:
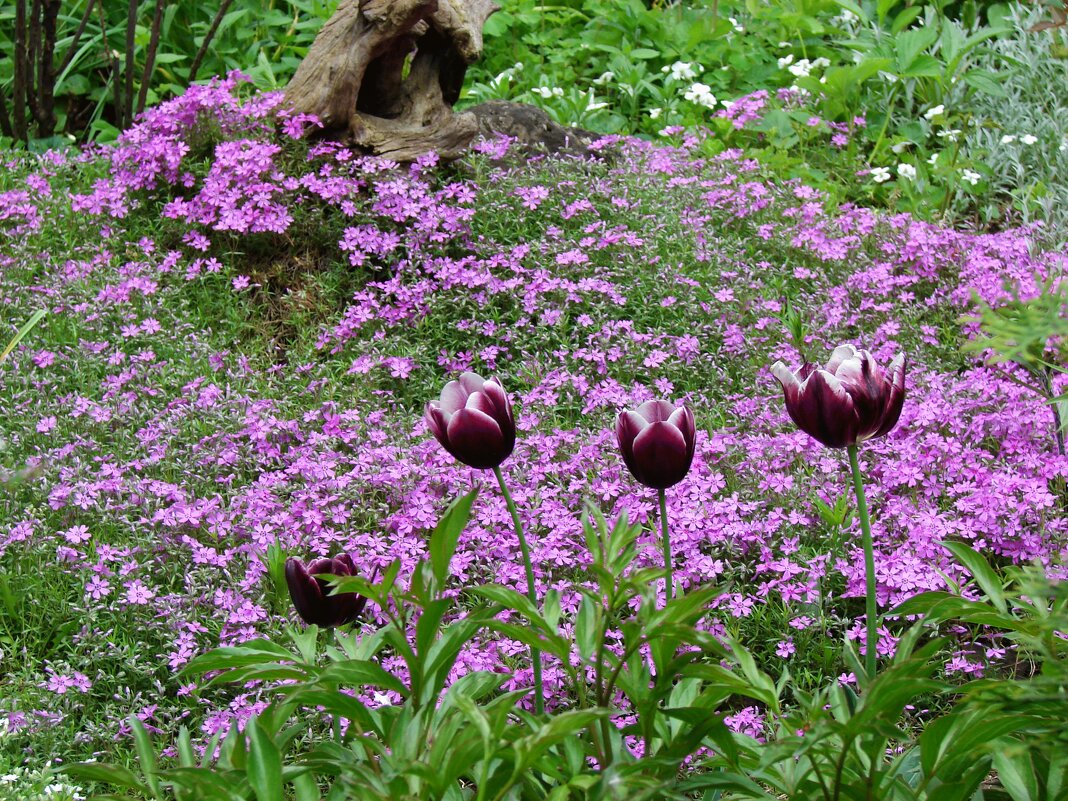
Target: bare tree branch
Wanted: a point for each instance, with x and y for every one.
(77, 37)
(207, 40)
(128, 70)
(19, 88)
(150, 56)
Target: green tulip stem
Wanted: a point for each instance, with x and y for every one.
(872, 641)
(535, 654)
(665, 543)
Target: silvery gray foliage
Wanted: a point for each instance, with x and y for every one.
(1035, 104)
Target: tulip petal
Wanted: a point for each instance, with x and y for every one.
(824, 410)
(476, 439)
(656, 411)
(863, 379)
(493, 390)
(437, 421)
(472, 382)
(661, 455)
(682, 419)
(453, 397)
(628, 426)
(895, 398)
(791, 385)
(307, 593)
(839, 355)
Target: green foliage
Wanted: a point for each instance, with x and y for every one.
(471, 739)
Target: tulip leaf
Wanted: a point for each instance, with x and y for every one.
(146, 755)
(981, 570)
(447, 533)
(264, 768)
(251, 653)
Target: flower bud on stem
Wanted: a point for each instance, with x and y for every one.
(535, 654)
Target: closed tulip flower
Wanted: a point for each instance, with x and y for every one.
(473, 421)
(850, 400)
(310, 594)
(657, 441)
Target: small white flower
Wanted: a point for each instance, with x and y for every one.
(934, 111)
(802, 68)
(542, 91)
(906, 171)
(952, 135)
(971, 177)
(785, 44)
(654, 113)
(701, 94)
(786, 61)
(933, 159)
(1007, 139)
(1028, 139)
(900, 147)
(738, 28)
(382, 699)
(604, 77)
(880, 174)
(683, 71)
(821, 63)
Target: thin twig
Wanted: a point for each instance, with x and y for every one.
(46, 70)
(19, 93)
(223, 8)
(150, 56)
(128, 70)
(77, 37)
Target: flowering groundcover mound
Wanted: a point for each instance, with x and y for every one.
(243, 329)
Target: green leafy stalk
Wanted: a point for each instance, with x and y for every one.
(871, 611)
(665, 543)
(535, 654)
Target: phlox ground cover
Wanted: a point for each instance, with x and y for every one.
(243, 327)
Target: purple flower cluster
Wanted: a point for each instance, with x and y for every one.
(155, 485)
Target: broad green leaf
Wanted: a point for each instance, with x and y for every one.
(447, 533)
(980, 569)
(264, 767)
(985, 82)
(1016, 772)
(146, 755)
(910, 44)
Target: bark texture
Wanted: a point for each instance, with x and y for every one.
(385, 73)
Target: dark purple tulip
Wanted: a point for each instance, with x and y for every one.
(310, 596)
(657, 442)
(473, 421)
(850, 400)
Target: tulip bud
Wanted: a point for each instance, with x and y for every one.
(657, 442)
(850, 400)
(473, 421)
(310, 596)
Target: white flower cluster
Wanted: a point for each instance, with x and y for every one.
(547, 91)
(880, 174)
(971, 176)
(701, 94)
(683, 70)
(1026, 139)
(803, 67)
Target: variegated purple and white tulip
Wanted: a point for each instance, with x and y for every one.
(849, 400)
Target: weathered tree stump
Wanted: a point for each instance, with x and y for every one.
(386, 73)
